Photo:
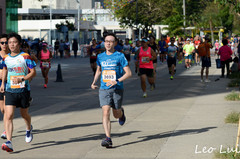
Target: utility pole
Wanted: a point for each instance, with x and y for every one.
(184, 16)
(50, 33)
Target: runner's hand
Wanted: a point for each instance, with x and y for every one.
(111, 83)
(2, 89)
(93, 86)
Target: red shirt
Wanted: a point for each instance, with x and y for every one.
(225, 53)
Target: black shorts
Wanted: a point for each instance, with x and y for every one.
(1, 96)
(171, 61)
(146, 71)
(155, 61)
(206, 61)
(128, 57)
(18, 99)
(93, 60)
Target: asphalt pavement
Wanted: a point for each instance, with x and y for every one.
(181, 119)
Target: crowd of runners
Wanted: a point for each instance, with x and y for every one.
(109, 61)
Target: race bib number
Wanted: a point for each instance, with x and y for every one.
(145, 59)
(19, 85)
(171, 54)
(45, 64)
(94, 54)
(109, 75)
(196, 46)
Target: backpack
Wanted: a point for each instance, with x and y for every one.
(202, 50)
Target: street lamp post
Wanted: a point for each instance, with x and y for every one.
(78, 21)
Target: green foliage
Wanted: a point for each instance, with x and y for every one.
(233, 118)
(67, 23)
(233, 96)
(231, 155)
(234, 3)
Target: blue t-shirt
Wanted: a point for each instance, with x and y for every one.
(17, 67)
(1, 67)
(112, 68)
(172, 52)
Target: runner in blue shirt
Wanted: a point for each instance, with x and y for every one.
(111, 67)
(3, 52)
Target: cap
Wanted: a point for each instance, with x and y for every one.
(144, 40)
(188, 39)
(44, 44)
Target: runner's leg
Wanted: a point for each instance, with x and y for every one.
(26, 117)
(106, 120)
(8, 118)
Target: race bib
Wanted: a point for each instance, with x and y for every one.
(19, 85)
(145, 59)
(196, 46)
(109, 75)
(171, 54)
(45, 64)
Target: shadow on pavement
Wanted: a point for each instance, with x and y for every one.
(169, 134)
(74, 140)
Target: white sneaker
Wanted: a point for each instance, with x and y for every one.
(29, 135)
(207, 81)
(202, 80)
(144, 95)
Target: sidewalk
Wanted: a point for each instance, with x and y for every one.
(176, 118)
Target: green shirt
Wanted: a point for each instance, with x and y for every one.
(188, 49)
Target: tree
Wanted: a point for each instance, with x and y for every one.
(149, 12)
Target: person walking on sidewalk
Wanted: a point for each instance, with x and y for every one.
(4, 51)
(111, 65)
(146, 56)
(206, 58)
(17, 92)
(75, 47)
(45, 57)
(225, 53)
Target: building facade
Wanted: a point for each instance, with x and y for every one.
(2, 17)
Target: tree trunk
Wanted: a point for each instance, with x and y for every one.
(211, 29)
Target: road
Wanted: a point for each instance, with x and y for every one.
(177, 120)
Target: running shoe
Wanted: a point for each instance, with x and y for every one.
(107, 142)
(207, 81)
(29, 135)
(202, 80)
(180, 62)
(30, 100)
(152, 87)
(122, 119)
(171, 78)
(7, 146)
(45, 86)
(144, 95)
(4, 136)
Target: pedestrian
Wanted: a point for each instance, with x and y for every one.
(188, 50)
(45, 57)
(67, 49)
(93, 55)
(172, 58)
(146, 56)
(75, 47)
(205, 57)
(4, 51)
(56, 48)
(111, 65)
(18, 68)
(225, 53)
(61, 48)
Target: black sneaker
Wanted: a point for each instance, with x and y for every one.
(122, 119)
(107, 142)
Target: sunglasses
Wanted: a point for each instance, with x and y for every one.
(4, 43)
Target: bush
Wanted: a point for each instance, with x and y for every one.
(233, 118)
(233, 96)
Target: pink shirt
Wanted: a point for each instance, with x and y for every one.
(45, 56)
(144, 57)
(225, 53)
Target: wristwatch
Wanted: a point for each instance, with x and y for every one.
(117, 80)
(23, 79)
